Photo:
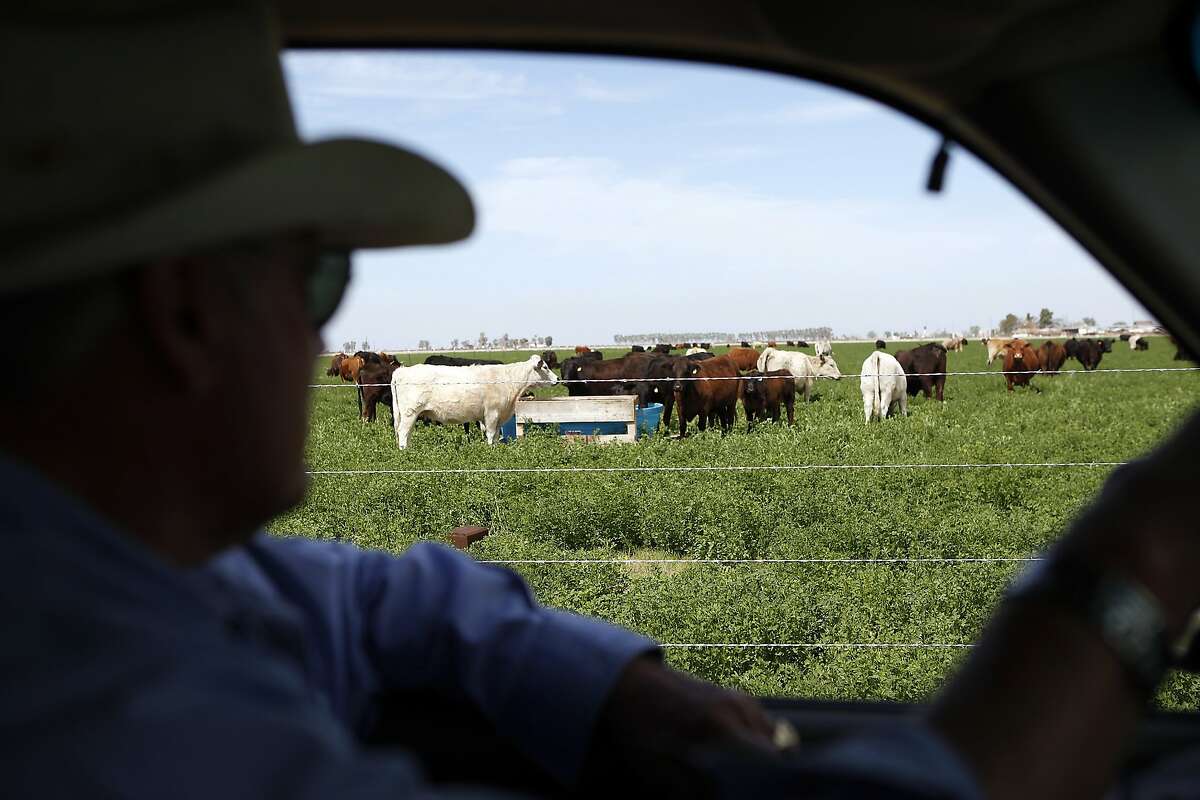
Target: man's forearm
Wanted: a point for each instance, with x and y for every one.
(1041, 709)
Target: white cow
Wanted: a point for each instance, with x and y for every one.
(883, 384)
(485, 394)
(804, 368)
(955, 343)
(1133, 341)
(995, 347)
(694, 350)
(824, 348)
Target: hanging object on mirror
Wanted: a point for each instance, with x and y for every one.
(937, 167)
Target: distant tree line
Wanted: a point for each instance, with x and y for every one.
(724, 336)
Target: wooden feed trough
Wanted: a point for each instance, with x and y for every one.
(596, 419)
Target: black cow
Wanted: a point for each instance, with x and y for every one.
(762, 393)
(550, 358)
(454, 361)
(880, 344)
(598, 376)
(637, 348)
(918, 363)
(655, 385)
(801, 343)
(1086, 351)
(700, 356)
(665, 349)
(368, 357)
(745, 344)
(567, 366)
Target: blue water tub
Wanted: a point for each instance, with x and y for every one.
(647, 422)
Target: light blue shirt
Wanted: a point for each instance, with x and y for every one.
(254, 676)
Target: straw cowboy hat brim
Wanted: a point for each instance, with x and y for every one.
(160, 128)
(353, 193)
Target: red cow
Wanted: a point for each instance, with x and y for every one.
(744, 357)
(374, 386)
(349, 368)
(706, 398)
(1020, 362)
(925, 367)
(1052, 356)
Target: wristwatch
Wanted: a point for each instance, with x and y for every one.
(1127, 617)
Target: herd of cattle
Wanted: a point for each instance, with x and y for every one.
(697, 385)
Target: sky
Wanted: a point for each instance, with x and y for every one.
(620, 196)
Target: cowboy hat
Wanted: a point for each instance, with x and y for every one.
(164, 127)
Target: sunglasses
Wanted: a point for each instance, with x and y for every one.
(325, 284)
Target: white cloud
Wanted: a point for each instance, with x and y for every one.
(822, 112)
(400, 77)
(725, 255)
(587, 88)
(733, 154)
(589, 203)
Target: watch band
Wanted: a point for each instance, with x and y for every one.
(1122, 611)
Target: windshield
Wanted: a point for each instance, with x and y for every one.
(834, 548)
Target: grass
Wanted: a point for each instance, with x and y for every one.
(935, 513)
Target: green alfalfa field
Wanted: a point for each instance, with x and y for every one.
(885, 513)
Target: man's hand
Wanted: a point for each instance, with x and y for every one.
(658, 720)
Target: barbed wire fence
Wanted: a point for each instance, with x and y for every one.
(831, 561)
(635, 379)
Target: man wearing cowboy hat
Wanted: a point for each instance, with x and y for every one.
(159, 212)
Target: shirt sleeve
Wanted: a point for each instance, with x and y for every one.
(434, 618)
(901, 761)
(235, 730)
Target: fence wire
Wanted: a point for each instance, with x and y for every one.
(898, 560)
(715, 468)
(815, 646)
(571, 381)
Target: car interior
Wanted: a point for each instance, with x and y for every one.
(1091, 110)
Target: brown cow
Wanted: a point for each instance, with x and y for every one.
(335, 365)
(349, 368)
(706, 398)
(1020, 362)
(581, 349)
(762, 392)
(374, 386)
(1052, 356)
(743, 357)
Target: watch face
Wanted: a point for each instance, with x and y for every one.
(1186, 649)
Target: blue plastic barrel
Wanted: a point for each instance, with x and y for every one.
(647, 422)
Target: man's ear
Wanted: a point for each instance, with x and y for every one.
(183, 308)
